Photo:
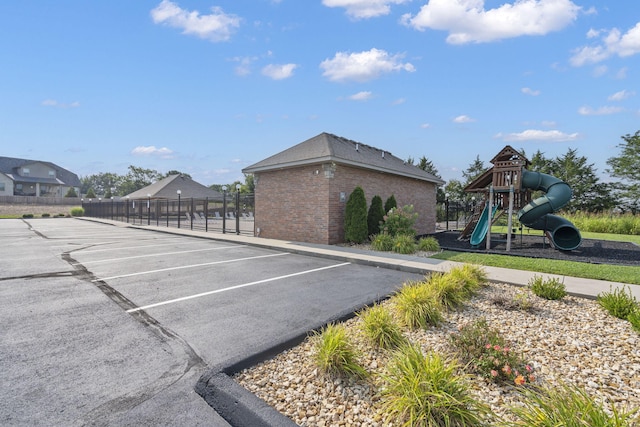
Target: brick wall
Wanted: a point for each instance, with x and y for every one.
(303, 204)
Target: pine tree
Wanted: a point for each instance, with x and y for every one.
(390, 204)
(375, 215)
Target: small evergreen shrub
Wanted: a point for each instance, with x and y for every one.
(417, 306)
(335, 355)
(77, 211)
(355, 226)
(618, 302)
(46, 215)
(382, 242)
(390, 203)
(91, 194)
(567, 405)
(427, 390)
(27, 216)
(551, 289)
(428, 244)
(404, 244)
(380, 327)
(71, 193)
(61, 214)
(375, 216)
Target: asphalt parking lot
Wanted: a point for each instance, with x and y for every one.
(107, 325)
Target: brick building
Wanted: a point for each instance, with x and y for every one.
(301, 192)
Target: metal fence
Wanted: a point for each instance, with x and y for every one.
(232, 213)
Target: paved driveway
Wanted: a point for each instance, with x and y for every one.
(105, 325)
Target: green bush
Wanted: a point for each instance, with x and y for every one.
(71, 193)
(380, 328)
(46, 215)
(484, 351)
(450, 293)
(355, 226)
(471, 278)
(390, 203)
(417, 306)
(61, 214)
(27, 216)
(400, 221)
(551, 289)
(77, 211)
(334, 354)
(91, 194)
(404, 244)
(427, 390)
(428, 244)
(618, 302)
(375, 216)
(634, 319)
(567, 406)
(382, 242)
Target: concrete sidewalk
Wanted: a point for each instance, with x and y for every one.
(587, 288)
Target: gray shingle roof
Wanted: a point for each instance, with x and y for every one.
(167, 189)
(10, 165)
(327, 147)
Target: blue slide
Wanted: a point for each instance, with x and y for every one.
(482, 227)
(564, 235)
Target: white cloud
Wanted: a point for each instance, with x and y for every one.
(399, 101)
(529, 91)
(279, 71)
(56, 104)
(361, 96)
(217, 26)
(463, 119)
(152, 150)
(425, 126)
(362, 66)
(622, 73)
(363, 9)
(244, 64)
(467, 21)
(602, 111)
(549, 123)
(619, 96)
(538, 135)
(612, 42)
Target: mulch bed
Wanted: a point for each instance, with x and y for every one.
(591, 251)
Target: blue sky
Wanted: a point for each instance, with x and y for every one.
(208, 87)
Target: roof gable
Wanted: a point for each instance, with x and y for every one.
(327, 147)
(167, 188)
(8, 166)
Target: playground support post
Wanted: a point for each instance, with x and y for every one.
(510, 218)
(490, 217)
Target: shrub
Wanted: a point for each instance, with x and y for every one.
(400, 221)
(618, 302)
(71, 193)
(634, 319)
(27, 216)
(91, 194)
(77, 211)
(483, 350)
(471, 278)
(569, 406)
(355, 225)
(334, 354)
(46, 215)
(417, 306)
(404, 244)
(551, 289)
(382, 242)
(428, 244)
(375, 216)
(380, 328)
(520, 302)
(390, 203)
(428, 391)
(448, 291)
(61, 214)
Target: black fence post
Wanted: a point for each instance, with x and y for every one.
(224, 209)
(237, 209)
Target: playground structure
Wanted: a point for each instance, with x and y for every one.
(508, 187)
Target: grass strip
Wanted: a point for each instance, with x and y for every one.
(614, 273)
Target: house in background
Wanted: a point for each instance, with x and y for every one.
(23, 177)
(301, 192)
(168, 187)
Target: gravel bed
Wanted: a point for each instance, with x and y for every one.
(573, 340)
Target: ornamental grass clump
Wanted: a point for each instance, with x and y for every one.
(567, 406)
(484, 351)
(404, 244)
(447, 290)
(471, 278)
(551, 289)
(382, 242)
(334, 353)
(427, 390)
(417, 306)
(428, 244)
(618, 302)
(380, 327)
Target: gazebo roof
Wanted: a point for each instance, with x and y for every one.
(167, 189)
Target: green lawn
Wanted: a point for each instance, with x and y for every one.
(615, 273)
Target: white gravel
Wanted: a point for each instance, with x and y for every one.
(573, 340)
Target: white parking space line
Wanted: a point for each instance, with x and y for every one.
(182, 267)
(119, 248)
(152, 255)
(244, 285)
